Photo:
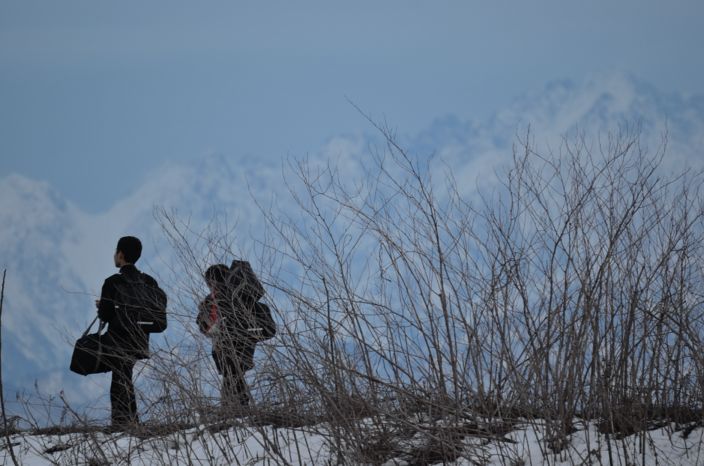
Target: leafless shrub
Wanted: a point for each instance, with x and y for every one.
(413, 319)
(572, 290)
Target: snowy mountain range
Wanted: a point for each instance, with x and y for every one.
(57, 255)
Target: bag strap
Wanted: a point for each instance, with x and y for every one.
(100, 327)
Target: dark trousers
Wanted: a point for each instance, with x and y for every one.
(122, 398)
(234, 391)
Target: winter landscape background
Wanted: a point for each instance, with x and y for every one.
(115, 122)
(57, 255)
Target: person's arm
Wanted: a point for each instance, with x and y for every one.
(202, 318)
(106, 305)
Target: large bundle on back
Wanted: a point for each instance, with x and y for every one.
(244, 282)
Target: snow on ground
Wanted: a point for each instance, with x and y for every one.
(242, 444)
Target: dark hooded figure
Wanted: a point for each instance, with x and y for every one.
(123, 301)
(223, 316)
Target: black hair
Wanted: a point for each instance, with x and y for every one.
(131, 248)
(217, 274)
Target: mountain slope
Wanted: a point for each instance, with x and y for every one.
(57, 256)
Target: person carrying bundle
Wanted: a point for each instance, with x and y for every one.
(232, 316)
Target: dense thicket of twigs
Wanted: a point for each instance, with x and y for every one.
(408, 303)
(572, 289)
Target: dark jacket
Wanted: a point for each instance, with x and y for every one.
(230, 339)
(125, 299)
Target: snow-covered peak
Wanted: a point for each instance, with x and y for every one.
(28, 205)
(599, 105)
(600, 102)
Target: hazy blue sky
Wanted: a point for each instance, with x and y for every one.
(94, 94)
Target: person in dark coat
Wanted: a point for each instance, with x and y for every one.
(124, 298)
(224, 316)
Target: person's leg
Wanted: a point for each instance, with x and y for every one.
(122, 397)
(241, 389)
(234, 387)
(223, 367)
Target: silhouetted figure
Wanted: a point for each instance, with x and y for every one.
(133, 305)
(226, 316)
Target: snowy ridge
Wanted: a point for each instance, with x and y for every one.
(239, 443)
